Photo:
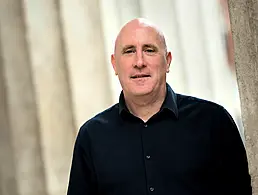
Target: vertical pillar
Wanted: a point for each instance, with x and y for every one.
(128, 10)
(222, 77)
(52, 91)
(108, 10)
(86, 58)
(244, 17)
(22, 110)
(194, 48)
(8, 184)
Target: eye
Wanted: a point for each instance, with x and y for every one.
(149, 50)
(128, 51)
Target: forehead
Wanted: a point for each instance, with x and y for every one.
(139, 35)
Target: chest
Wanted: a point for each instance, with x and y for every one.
(153, 151)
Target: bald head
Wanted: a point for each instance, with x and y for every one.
(135, 24)
(141, 59)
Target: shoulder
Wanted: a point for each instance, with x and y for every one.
(207, 113)
(99, 121)
(189, 104)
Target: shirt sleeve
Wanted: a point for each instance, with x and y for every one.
(82, 178)
(231, 158)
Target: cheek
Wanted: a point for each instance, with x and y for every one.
(159, 66)
(124, 66)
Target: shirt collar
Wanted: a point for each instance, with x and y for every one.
(169, 103)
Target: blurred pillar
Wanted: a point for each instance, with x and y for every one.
(8, 184)
(244, 17)
(109, 13)
(128, 10)
(91, 91)
(228, 34)
(196, 60)
(222, 78)
(52, 91)
(21, 105)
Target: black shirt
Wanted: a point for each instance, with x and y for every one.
(190, 147)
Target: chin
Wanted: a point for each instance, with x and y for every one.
(141, 91)
(138, 89)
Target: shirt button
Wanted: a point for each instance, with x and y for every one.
(148, 157)
(145, 125)
(152, 189)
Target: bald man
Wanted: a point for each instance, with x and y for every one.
(155, 141)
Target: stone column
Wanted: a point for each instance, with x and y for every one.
(86, 58)
(8, 184)
(108, 10)
(52, 91)
(21, 104)
(244, 21)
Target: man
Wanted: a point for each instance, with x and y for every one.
(155, 141)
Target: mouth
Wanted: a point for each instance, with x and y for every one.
(137, 76)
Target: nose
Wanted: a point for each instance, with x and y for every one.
(139, 63)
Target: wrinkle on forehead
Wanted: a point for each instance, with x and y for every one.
(138, 23)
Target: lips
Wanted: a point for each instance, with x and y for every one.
(137, 76)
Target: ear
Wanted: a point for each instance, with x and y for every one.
(113, 62)
(169, 59)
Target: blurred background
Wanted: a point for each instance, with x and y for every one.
(55, 73)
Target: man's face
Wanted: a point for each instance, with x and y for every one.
(140, 60)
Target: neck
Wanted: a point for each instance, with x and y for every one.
(144, 107)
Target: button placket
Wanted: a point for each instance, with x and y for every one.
(148, 157)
